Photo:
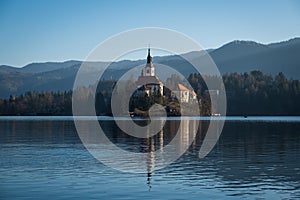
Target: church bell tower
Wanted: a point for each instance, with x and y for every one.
(149, 68)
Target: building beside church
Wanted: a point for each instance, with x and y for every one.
(183, 94)
(147, 81)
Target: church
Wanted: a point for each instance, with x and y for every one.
(147, 81)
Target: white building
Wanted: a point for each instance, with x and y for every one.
(183, 94)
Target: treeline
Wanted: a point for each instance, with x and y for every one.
(40, 104)
(256, 93)
(251, 93)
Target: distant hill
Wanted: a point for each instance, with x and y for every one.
(4, 69)
(235, 56)
(48, 66)
(244, 56)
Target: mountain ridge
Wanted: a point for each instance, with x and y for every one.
(236, 56)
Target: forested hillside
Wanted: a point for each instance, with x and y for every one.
(251, 93)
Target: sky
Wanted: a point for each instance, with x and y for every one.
(60, 30)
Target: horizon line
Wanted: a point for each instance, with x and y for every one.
(160, 55)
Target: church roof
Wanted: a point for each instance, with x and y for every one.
(145, 80)
(181, 87)
(193, 93)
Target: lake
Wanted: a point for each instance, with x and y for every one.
(254, 158)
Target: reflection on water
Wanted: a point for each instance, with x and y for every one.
(252, 159)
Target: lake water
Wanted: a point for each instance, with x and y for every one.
(255, 158)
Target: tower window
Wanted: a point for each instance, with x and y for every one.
(147, 71)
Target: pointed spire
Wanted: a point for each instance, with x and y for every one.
(149, 58)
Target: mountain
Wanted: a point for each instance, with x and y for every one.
(242, 56)
(48, 66)
(236, 56)
(4, 69)
(15, 81)
(236, 49)
(291, 42)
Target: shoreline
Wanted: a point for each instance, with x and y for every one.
(110, 118)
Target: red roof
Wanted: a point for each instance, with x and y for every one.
(182, 87)
(145, 80)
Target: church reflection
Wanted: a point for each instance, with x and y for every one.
(148, 146)
(187, 130)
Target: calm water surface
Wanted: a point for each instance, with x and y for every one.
(255, 158)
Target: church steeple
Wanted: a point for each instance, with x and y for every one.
(149, 58)
(149, 68)
(150, 83)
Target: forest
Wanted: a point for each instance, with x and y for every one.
(252, 93)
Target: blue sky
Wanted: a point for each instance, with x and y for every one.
(59, 30)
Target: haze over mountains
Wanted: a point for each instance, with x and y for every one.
(236, 56)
